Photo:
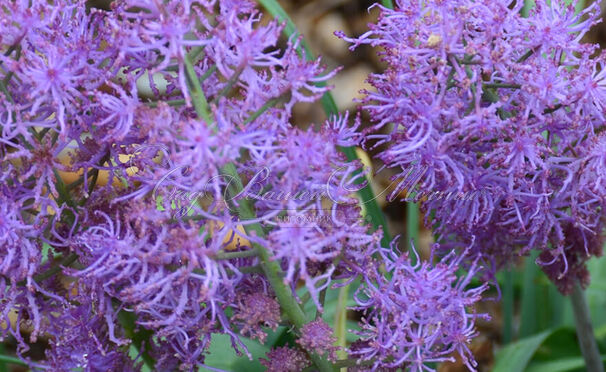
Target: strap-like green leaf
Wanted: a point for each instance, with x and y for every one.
(560, 365)
(515, 356)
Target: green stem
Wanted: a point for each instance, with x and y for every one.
(341, 321)
(240, 254)
(4, 90)
(582, 319)
(195, 91)
(229, 85)
(373, 212)
(173, 102)
(412, 223)
(271, 268)
(251, 269)
(501, 85)
(322, 300)
(261, 110)
(68, 260)
(526, 56)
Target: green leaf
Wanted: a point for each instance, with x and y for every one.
(529, 315)
(140, 337)
(596, 292)
(515, 356)
(133, 353)
(507, 306)
(562, 343)
(3, 367)
(560, 365)
(11, 360)
(221, 355)
(340, 321)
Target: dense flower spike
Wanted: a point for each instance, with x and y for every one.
(415, 314)
(108, 165)
(154, 193)
(496, 122)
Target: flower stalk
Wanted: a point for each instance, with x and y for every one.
(271, 268)
(245, 211)
(584, 328)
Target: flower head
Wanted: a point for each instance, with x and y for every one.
(317, 337)
(415, 314)
(498, 110)
(285, 359)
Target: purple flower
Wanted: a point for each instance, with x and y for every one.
(20, 257)
(165, 274)
(415, 314)
(156, 240)
(504, 122)
(79, 341)
(317, 337)
(285, 359)
(255, 311)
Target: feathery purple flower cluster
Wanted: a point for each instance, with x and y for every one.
(476, 97)
(415, 314)
(101, 128)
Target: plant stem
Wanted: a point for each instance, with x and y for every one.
(173, 102)
(582, 319)
(412, 223)
(502, 85)
(270, 267)
(245, 211)
(261, 110)
(239, 254)
(229, 85)
(68, 260)
(195, 90)
(341, 321)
